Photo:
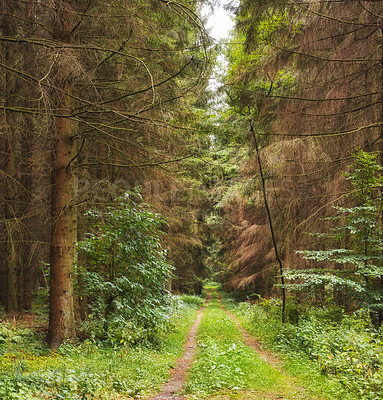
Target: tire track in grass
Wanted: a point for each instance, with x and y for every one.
(251, 341)
(224, 363)
(294, 389)
(178, 374)
(231, 366)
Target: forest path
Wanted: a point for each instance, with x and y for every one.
(292, 390)
(251, 341)
(269, 381)
(179, 373)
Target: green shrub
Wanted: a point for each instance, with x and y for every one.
(124, 271)
(342, 347)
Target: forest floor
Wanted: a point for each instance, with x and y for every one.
(207, 353)
(196, 378)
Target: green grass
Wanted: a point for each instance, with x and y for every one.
(211, 287)
(194, 301)
(296, 346)
(224, 363)
(87, 370)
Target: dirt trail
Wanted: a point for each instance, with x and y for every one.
(265, 355)
(178, 374)
(170, 390)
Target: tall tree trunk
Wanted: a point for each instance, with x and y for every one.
(64, 236)
(64, 213)
(13, 254)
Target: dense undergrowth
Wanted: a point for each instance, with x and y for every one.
(341, 355)
(90, 369)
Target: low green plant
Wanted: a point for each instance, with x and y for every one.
(212, 285)
(90, 369)
(192, 301)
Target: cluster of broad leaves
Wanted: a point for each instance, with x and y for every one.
(123, 270)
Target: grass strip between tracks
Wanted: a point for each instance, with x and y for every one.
(223, 360)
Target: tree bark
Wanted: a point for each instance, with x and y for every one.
(64, 236)
(64, 181)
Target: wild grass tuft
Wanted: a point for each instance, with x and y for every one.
(193, 301)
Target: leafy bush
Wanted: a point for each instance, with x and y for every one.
(124, 272)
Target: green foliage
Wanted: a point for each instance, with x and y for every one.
(88, 370)
(260, 39)
(357, 265)
(345, 354)
(212, 287)
(192, 301)
(268, 27)
(14, 339)
(125, 272)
